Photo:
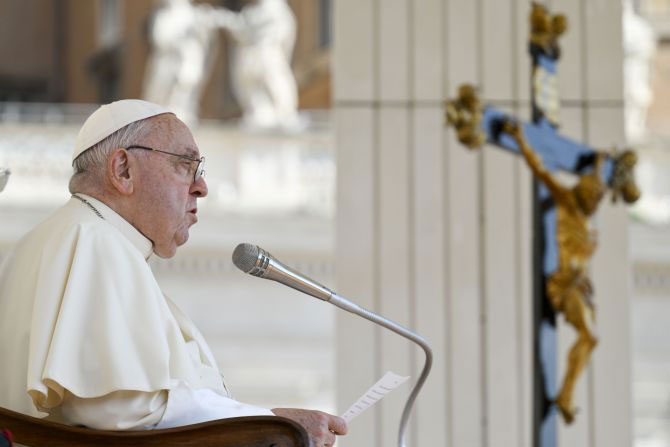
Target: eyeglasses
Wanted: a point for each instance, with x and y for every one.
(199, 167)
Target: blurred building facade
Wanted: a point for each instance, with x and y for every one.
(95, 51)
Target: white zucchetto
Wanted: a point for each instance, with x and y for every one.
(109, 118)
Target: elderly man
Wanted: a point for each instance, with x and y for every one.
(86, 334)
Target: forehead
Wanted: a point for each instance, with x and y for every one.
(171, 134)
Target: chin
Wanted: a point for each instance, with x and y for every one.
(181, 239)
(178, 241)
(165, 253)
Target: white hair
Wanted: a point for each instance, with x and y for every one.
(90, 165)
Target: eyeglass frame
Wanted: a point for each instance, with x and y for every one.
(201, 160)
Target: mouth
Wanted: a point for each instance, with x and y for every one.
(192, 212)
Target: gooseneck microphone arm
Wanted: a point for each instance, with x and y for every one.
(258, 262)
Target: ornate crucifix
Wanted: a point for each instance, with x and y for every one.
(563, 241)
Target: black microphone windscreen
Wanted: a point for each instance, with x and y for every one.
(245, 256)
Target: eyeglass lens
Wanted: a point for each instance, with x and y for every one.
(199, 170)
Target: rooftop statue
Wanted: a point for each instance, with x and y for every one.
(263, 82)
(182, 37)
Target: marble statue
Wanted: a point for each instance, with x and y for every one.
(183, 38)
(263, 82)
(639, 45)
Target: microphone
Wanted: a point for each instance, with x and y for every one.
(255, 261)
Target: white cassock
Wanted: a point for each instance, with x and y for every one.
(87, 336)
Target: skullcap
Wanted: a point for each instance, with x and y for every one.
(109, 118)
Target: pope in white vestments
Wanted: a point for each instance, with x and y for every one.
(86, 335)
(102, 326)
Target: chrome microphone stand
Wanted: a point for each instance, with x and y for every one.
(255, 261)
(347, 305)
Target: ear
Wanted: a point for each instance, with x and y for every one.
(119, 171)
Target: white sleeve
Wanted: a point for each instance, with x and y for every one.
(187, 406)
(137, 410)
(120, 410)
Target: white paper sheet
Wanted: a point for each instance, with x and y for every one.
(385, 385)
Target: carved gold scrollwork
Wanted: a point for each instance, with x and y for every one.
(465, 114)
(545, 29)
(623, 178)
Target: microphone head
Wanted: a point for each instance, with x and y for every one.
(245, 256)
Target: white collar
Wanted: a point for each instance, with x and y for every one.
(139, 241)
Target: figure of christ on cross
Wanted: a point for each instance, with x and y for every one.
(568, 241)
(569, 288)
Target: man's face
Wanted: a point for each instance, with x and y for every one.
(166, 194)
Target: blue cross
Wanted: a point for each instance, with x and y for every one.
(557, 153)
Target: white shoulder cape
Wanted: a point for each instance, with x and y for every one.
(81, 310)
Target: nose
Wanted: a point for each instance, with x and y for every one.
(199, 188)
